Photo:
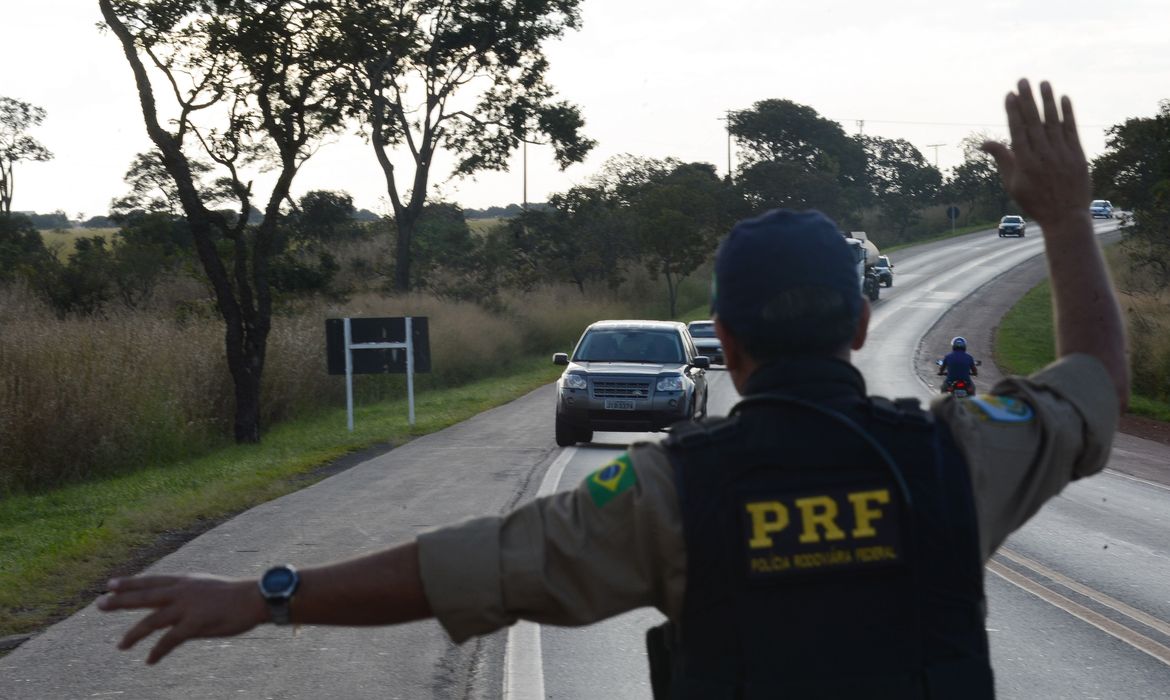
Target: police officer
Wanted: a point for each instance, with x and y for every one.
(816, 543)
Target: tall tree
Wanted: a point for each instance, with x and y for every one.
(16, 146)
(1134, 173)
(791, 156)
(976, 181)
(250, 83)
(678, 220)
(463, 76)
(901, 182)
(584, 236)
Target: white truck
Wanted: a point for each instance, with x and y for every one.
(866, 254)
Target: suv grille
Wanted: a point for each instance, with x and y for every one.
(619, 389)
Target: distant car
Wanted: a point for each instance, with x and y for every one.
(1101, 208)
(703, 333)
(629, 376)
(884, 269)
(1011, 225)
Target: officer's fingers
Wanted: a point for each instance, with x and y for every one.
(1030, 116)
(134, 599)
(139, 583)
(167, 643)
(1005, 160)
(144, 627)
(1071, 137)
(1052, 126)
(1011, 105)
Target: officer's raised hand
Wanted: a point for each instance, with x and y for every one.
(1045, 169)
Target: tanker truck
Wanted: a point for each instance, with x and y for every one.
(866, 254)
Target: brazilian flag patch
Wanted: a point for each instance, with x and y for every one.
(606, 483)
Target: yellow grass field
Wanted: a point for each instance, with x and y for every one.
(61, 241)
(480, 227)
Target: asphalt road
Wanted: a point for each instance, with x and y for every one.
(1079, 599)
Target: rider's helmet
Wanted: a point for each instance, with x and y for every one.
(959, 343)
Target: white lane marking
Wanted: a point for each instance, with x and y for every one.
(1106, 625)
(523, 660)
(1123, 475)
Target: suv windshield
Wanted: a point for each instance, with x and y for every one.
(630, 345)
(1098, 203)
(1015, 219)
(702, 329)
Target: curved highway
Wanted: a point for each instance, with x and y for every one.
(1079, 599)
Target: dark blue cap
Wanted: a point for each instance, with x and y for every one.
(765, 259)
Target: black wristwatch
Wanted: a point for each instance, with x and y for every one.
(278, 585)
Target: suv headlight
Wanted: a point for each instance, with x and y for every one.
(575, 381)
(672, 383)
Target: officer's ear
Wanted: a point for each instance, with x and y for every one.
(739, 364)
(862, 329)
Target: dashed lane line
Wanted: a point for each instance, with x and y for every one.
(523, 660)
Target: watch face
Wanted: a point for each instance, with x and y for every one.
(278, 580)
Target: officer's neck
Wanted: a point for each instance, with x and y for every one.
(743, 366)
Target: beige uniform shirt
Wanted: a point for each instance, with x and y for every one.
(573, 558)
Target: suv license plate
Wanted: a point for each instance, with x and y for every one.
(619, 404)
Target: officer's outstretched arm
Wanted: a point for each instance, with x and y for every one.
(1046, 172)
(377, 589)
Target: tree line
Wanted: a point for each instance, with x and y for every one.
(235, 85)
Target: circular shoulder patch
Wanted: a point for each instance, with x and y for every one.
(1002, 409)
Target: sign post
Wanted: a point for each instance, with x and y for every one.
(365, 346)
(953, 215)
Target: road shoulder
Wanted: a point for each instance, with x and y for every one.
(1141, 445)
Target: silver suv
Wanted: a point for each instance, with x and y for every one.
(629, 376)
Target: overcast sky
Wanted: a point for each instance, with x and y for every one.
(653, 77)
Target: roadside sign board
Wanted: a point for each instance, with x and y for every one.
(377, 330)
(396, 345)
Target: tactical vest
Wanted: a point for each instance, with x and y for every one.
(832, 552)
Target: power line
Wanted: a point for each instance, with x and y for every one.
(935, 146)
(964, 124)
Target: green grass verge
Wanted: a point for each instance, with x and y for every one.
(57, 548)
(1024, 343)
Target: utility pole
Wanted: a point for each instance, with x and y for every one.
(935, 146)
(524, 206)
(727, 118)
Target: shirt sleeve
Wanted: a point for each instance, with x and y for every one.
(612, 544)
(1030, 436)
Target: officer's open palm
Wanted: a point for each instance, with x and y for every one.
(187, 607)
(1045, 169)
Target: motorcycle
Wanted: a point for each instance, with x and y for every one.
(959, 388)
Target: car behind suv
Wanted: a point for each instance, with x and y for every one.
(1101, 208)
(1012, 225)
(703, 333)
(884, 269)
(629, 376)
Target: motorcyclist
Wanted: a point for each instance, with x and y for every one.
(959, 365)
